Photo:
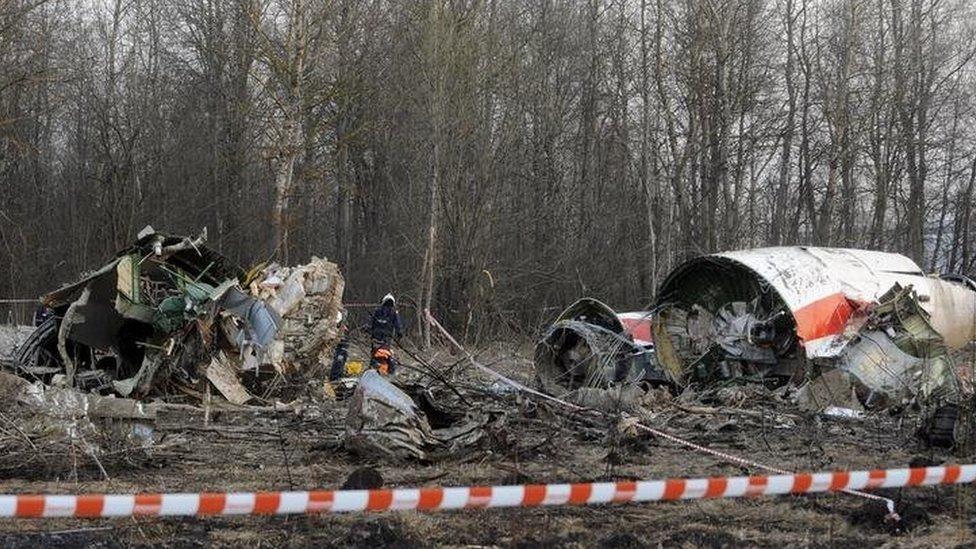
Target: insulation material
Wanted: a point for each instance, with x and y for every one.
(308, 299)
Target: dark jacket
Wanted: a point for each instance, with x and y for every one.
(42, 314)
(385, 324)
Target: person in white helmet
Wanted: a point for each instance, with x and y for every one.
(385, 326)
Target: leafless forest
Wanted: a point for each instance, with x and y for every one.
(490, 158)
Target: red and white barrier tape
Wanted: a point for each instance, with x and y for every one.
(474, 497)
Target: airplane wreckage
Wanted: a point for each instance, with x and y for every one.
(843, 331)
(850, 330)
(170, 315)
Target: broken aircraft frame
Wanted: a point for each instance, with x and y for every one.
(590, 345)
(849, 328)
(170, 313)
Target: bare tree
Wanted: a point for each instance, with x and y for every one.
(488, 159)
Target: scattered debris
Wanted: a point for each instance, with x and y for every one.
(60, 429)
(169, 315)
(732, 367)
(383, 420)
(300, 447)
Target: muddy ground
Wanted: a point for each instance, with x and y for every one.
(264, 450)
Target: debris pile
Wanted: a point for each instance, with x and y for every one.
(842, 330)
(308, 300)
(169, 315)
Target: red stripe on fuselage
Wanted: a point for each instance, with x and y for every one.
(824, 317)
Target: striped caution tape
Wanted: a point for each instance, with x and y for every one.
(477, 497)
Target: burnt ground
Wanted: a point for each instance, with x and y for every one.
(264, 450)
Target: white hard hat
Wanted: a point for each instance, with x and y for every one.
(388, 297)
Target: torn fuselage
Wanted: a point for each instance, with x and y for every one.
(590, 345)
(780, 313)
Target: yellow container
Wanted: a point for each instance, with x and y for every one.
(354, 368)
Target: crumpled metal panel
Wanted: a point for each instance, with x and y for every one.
(382, 421)
(69, 292)
(881, 366)
(261, 324)
(877, 363)
(375, 386)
